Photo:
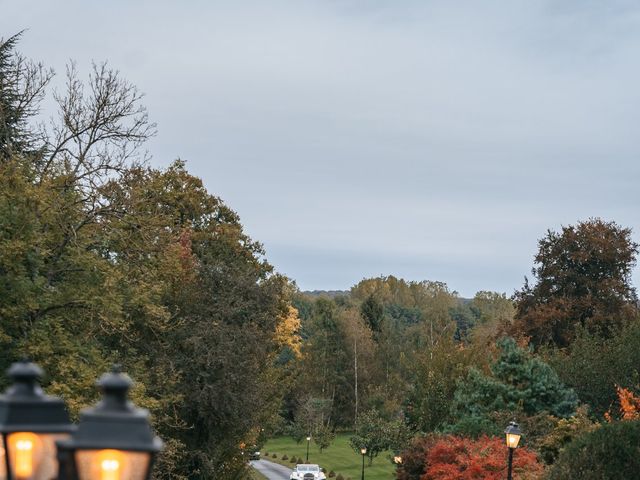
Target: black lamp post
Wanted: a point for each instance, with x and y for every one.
(308, 440)
(114, 440)
(363, 451)
(30, 423)
(513, 435)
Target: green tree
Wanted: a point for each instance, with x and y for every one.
(372, 311)
(377, 434)
(594, 366)
(323, 437)
(519, 382)
(583, 279)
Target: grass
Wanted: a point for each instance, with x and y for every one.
(256, 475)
(339, 457)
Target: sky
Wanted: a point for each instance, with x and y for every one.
(430, 140)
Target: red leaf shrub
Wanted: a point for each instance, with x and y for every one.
(458, 458)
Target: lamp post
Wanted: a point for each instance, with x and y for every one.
(308, 440)
(114, 440)
(397, 459)
(363, 451)
(513, 435)
(30, 423)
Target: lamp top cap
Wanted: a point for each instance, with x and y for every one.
(513, 429)
(115, 380)
(24, 370)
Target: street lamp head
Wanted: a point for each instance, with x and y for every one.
(30, 423)
(114, 439)
(308, 438)
(513, 435)
(397, 459)
(363, 450)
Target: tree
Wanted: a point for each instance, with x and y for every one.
(22, 87)
(583, 279)
(519, 382)
(378, 434)
(594, 366)
(372, 311)
(323, 436)
(435, 376)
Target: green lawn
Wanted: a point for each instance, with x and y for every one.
(339, 457)
(256, 475)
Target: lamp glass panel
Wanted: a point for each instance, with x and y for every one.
(32, 456)
(513, 440)
(112, 464)
(3, 460)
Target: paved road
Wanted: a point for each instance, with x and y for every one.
(271, 470)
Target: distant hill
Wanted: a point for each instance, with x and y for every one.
(325, 293)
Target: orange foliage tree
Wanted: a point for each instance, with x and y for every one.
(459, 458)
(629, 405)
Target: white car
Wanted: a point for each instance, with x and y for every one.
(307, 471)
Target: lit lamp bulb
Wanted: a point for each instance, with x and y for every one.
(22, 448)
(24, 458)
(110, 465)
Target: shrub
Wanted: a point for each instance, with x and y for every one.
(274, 456)
(266, 454)
(564, 432)
(324, 470)
(457, 458)
(610, 451)
(414, 458)
(339, 477)
(284, 457)
(293, 460)
(332, 474)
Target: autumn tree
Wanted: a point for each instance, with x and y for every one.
(582, 279)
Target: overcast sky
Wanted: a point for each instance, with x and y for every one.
(424, 139)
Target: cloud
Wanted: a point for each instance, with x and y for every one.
(441, 137)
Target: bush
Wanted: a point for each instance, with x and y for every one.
(458, 458)
(265, 454)
(610, 451)
(339, 477)
(293, 460)
(332, 474)
(274, 456)
(284, 457)
(414, 458)
(324, 470)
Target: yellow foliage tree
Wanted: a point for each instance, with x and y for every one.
(288, 331)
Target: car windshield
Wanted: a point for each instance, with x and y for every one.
(308, 468)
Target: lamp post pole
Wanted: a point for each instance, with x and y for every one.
(513, 435)
(363, 451)
(308, 440)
